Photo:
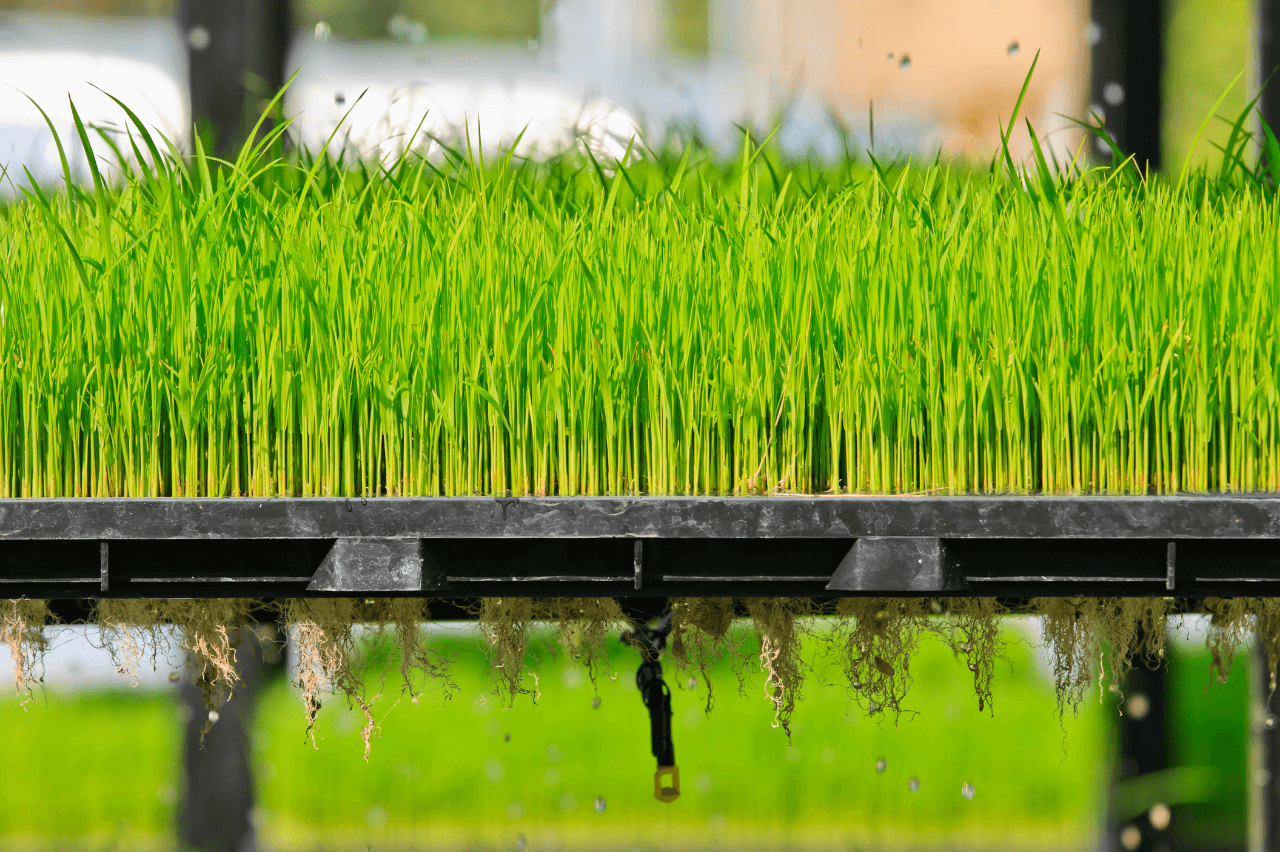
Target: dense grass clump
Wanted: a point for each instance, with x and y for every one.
(290, 326)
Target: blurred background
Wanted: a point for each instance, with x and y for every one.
(96, 764)
(911, 76)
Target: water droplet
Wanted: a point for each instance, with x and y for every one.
(506, 738)
(521, 843)
(599, 804)
(891, 56)
(595, 703)
(935, 607)
(913, 785)
(693, 683)
(967, 791)
(1013, 48)
(174, 677)
(1270, 722)
(323, 31)
(881, 765)
(1113, 93)
(199, 37)
(973, 667)
(213, 716)
(873, 708)
(904, 64)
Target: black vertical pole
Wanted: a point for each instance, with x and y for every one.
(1107, 67)
(218, 794)
(236, 51)
(1262, 798)
(1268, 45)
(1144, 749)
(1265, 820)
(1127, 73)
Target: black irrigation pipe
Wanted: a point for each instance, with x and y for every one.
(642, 549)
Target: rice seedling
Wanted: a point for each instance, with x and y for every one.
(405, 617)
(876, 639)
(518, 629)
(1104, 638)
(505, 623)
(131, 631)
(324, 634)
(975, 622)
(1093, 643)
(584, 627)
(775, 621)
(292, 326)
(1231, 620)
(700, 636)
(22, 625)
(298, 327)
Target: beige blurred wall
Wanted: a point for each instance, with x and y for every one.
(961, 78)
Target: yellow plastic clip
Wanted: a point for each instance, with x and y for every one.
(666, 794)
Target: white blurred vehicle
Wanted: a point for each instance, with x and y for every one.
(140, 62)
(489, 94)
(460, 100)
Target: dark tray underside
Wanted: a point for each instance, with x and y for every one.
(641, 547)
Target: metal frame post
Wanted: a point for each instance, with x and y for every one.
(1264, 736)
(1144, 749)
(232, 44)
(216, 814)
(1267, 43)
(1128, 60)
